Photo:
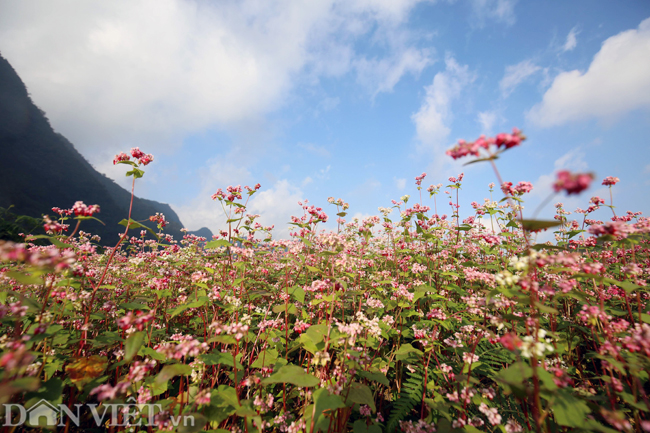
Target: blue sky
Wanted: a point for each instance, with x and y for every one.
(350, 99)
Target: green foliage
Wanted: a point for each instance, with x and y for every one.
(409, 397)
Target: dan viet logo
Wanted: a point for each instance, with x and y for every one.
(46, 414)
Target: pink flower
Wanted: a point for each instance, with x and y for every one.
(507, 189)
(610, 180)
(137, 153)
(121, 157)
(203, 397)
(510, 140)
(572, 183)
(524, 187)
(492, 413)
(80, 209)
(510, 341)
(108, 392)
(146, 159)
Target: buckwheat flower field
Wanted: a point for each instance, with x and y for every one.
(410, 321)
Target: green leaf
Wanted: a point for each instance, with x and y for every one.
(375, 377)
(224, 396)
(326, 401)
(194, 304)
(533, 225)
(191, 422)
(223, 339)
(265, 359)
(292, 374)
(515, 377)
(489, 158)
(628, 286)
(136, 172)
(313, 269)
(545, 308)
(136, 225)
(52, 239)
(133, 344)
(134, 306)
(360, 393)
(51, 391)
(218, 244)
(291, 309)
(170, 371)
(569, 410)
(24, 279)
(405, 351)
(360, 426)
(317, 333)
(216, 358)
(297, 293)
(308, 344)
(148, 351)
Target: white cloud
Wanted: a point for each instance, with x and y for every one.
(515, 75)
(381, 75)
(617, 81)
(573, 160)
(500, 11)
(276, 206)
(431, 121)
(147, 72)
(571, 41)
(400, 183)
(202, 211)
(487, 120)
(315, 149)
(324, 171)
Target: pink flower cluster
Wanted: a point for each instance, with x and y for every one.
(420, 426)
(418, 179)
(521, 188)
(159, 219)
(143, 158)
(139, 370)
(62, 212)
(611, 180)
(188, 347)
(138, 320)
(572, 183)
(232, 193)
(18, 357)
(592, 314)
(40, 257)
(80, 209)
(108, 392)
(614, 228)
(54, 226)
(301, 326)
(504, 140)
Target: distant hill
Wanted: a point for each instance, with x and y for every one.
(40, 169)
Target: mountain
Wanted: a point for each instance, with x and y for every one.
(40, 169)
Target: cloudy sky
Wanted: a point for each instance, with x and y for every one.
(350, 98)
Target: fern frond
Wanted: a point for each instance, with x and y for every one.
(409, 396)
